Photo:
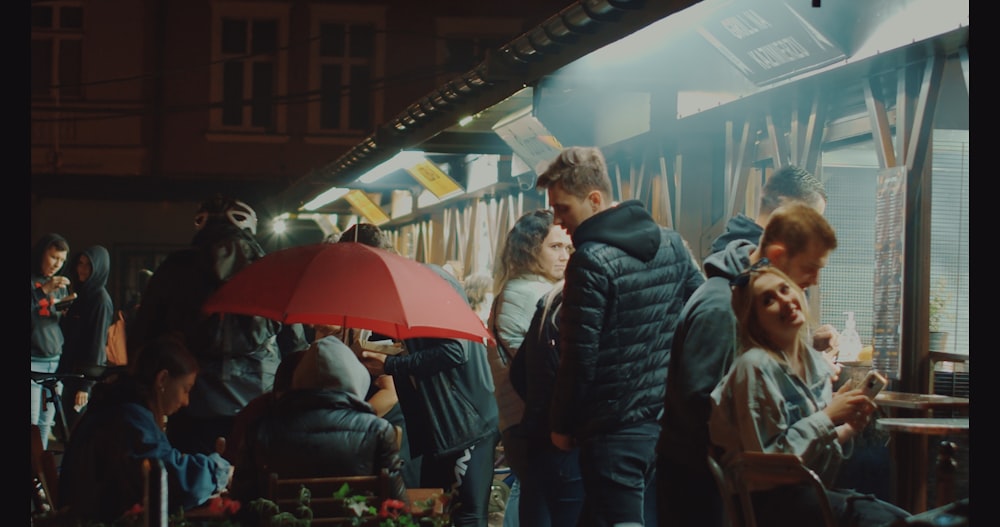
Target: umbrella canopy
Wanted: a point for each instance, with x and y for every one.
(351, 285)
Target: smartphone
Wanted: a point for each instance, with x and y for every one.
(873, 383)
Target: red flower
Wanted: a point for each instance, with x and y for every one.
(392, 509)
(136, 510)
(215, 505)
(231, 506)
(220, 505)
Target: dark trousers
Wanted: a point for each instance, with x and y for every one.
(617, 467)
(797, 505)
(469, 473)
(552, 488)
(687, 495)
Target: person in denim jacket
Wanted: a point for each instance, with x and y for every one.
(778, 397)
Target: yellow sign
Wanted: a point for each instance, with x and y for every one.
(366, 207)
(434, 179)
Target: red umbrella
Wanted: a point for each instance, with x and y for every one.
(352, 285)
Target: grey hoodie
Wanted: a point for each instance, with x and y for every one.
(330, 364)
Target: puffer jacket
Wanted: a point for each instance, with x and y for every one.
(445, 390)
(626, 284)
(317, 432)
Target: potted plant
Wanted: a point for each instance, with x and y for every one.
(939, 315)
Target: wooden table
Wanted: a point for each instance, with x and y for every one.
(909, 441)
(920, 401)
(924, 425)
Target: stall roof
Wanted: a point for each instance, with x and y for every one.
(706, 54)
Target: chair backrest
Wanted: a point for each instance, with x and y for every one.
(326, 509)
(753, 470)
(726, 490)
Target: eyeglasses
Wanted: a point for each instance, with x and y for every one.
(743, 278)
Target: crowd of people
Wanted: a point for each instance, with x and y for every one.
(620, 363)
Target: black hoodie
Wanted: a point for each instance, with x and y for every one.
(85, 325)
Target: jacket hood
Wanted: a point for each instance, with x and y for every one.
(331, 365)
(38, 251)
(627, 226)
(730, 261)
(739, 227)
(100, 262)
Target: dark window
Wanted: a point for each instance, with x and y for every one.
(331, 40)
(70, 65)
(363, 40)
(330, 93)
(234, 36)
(41, 16)
(232, 93)
(41, 66)
(71, 17)
(263, 94)
(360, 116)
(265, 36)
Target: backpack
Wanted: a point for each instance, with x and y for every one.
(115, 348)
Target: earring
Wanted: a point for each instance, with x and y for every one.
(162, 389)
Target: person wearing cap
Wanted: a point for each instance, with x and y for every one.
(321, 427)
(238, 355)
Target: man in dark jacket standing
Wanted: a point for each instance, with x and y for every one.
(237, 354)
(704, 347)
(445, 389)
(625, 286)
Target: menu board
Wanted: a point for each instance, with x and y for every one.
(887, 302)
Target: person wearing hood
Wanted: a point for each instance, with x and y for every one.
(321, 427)
(47, 258)
(625, 286)
(705, 345)
(85, 328)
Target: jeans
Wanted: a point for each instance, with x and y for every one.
(552, 488)
(511, 513)
(796, 505)
(43, 412)
(617, 467)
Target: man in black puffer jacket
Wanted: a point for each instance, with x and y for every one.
(625, 286)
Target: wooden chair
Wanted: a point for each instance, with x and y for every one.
(728, 493)
(755, 469)
(326, 509)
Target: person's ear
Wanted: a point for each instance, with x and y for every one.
(596, 200)
(776, 252)
(161, 380)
